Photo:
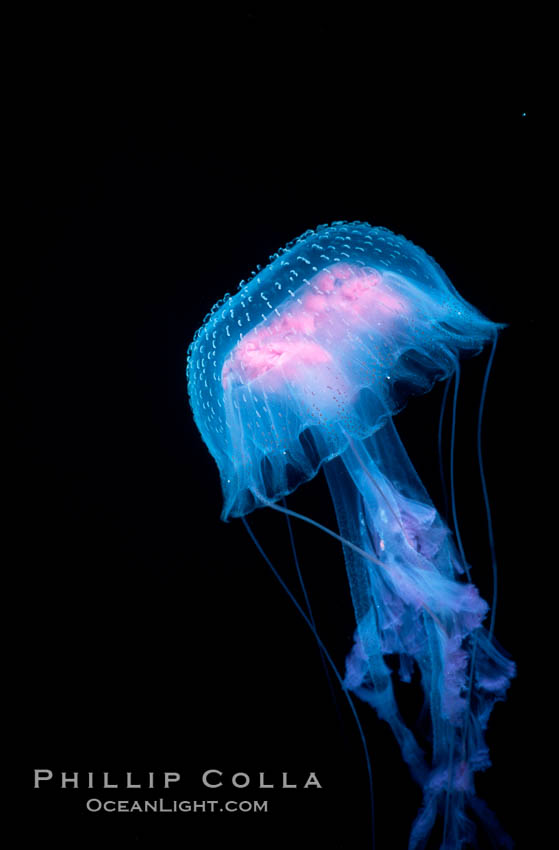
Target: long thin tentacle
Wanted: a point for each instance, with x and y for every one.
(334, 670)
(452, 480)
(484, 488)
(309, 607)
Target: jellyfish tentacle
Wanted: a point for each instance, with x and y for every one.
(484, 486)
(452, 479)
(275, 507)
(345, 542)
(309, 609)
(333, 667)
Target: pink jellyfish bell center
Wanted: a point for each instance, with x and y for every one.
(339, 296)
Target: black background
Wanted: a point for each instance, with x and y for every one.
(151, 636)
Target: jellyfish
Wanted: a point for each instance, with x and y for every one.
(304, 368)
